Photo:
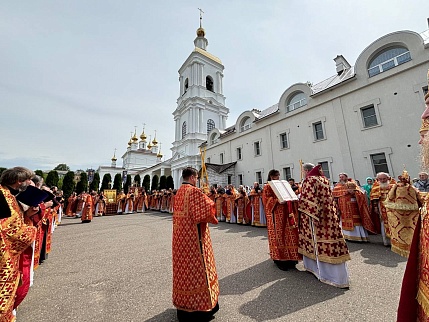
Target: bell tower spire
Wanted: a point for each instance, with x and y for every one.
(201, 41)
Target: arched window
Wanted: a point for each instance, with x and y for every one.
(213, 138)
(209, 83)
(297, 100)
(388, 59)
(245, 124)
(186, 84)
(210, 125)
(183, 130)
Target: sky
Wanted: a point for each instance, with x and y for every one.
(76, 77)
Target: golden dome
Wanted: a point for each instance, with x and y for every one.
(134, 138)
(201, 32)
(159, 155)
(114, 157)
(143, 136)
(154, 142)
(149, 146)
(129, 142)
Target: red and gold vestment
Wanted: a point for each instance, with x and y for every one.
(15, 238)
(319, 224)
(282, 226)
(195, 280)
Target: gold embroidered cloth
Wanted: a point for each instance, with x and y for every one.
(15, 237)
(316, 205)
(282, 227)
(402, 212)
(379, 194)
(195, 281)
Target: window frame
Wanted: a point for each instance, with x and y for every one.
(286, 134)
(359, 114)
(184, 130)
(239, 151)
(221, 158)
(259, 178)
(317, 132)
(210, 125)
(390, 63)
(257, 150)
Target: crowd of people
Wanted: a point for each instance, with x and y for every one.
(313, 227)
(29, 213)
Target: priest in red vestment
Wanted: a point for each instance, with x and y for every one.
(16, 236)
(282, 226)
(195, 280)
(321, 241)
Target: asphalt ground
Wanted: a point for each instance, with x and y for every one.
(118, 268)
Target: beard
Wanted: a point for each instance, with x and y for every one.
(424, 152)
(384, 185)
(23, 186)
(343, 181)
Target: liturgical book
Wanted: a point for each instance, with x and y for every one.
(283, 190)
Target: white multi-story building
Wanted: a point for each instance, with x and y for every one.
(361, 121)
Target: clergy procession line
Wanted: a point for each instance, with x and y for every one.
(312, 229)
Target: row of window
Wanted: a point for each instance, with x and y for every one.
(378, 161)
(369, 119)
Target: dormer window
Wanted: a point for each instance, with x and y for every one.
(388, 59)
(213, 138)
(296, 101)
(209, 84)
(246, 124)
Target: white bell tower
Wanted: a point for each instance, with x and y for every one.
(200, 106)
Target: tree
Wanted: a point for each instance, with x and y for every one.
(68, 184)
(60, 183)
(155, 181)
(137, 180)
(127, 184)
(52, 178)
(117, 182)
(107, 178)
(146, 182)
(82, 185)
(1, 170)
(170, 182)
(40, 174)
(163, 182)
(95, 184)
(62, 167)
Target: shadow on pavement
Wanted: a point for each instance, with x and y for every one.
(168, 315)
(251, 231)
(375, 253)
(286, 295)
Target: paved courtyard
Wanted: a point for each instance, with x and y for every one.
(118, 268)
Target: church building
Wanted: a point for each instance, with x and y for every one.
(362, 120)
